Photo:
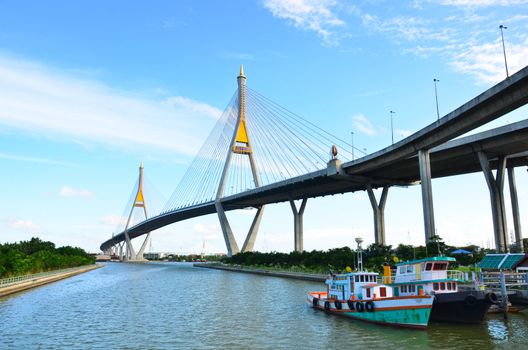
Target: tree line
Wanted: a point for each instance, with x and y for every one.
(35, 255)
(375, 256)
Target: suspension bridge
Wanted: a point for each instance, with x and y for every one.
(260, 153)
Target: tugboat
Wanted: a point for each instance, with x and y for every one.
(358, 295)
(430, 276)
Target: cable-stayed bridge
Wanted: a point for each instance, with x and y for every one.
(260, 153)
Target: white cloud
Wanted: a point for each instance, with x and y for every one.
(362, 124)
(114, 220)
(25, 225)
(37, 98)
(482, 3)
(315, 15)
(67, 191)
(32, 159)
(486, 61)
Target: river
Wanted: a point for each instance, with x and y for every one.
(177, 306)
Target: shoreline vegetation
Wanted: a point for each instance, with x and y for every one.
(375, 256)
(35, 256)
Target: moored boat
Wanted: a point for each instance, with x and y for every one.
(430, 276)
(359, 296)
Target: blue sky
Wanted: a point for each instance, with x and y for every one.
(89, 90)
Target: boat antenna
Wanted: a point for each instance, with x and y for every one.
(359, 240)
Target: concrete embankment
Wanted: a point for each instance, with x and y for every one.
(39, 281)
(284, 274)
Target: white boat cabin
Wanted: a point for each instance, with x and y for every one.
(360, 285)
(426, 276)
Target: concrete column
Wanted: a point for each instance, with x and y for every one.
(427, 194)
(139, 255)
(231, 244)
(121, 252)
(298, 224)
(252, 234)
(495, 187)
(515, 209)
(379, 213)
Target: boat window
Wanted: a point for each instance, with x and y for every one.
(368, 292)
(428, 266)
(435, 286)
(442, 285)
(454, 285)
(410, 268)
(362, 278)
(412, 288)
(383, 292)
(404, 289)
(448, 285)
(440, 266)
(357, 278)
(402, 269)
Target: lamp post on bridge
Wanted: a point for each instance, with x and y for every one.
(392, 128)
(352, 139)
(504, 49)
(436, 97)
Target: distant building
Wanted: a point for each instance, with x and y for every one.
(154, 256)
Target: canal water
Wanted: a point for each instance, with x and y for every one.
(177, 306)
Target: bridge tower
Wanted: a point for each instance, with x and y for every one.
(139, 202)
(240, 144)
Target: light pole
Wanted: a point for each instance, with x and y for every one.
(352, 138)
(392, 128)
(504, 49)
(436, 96)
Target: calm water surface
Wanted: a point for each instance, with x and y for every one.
(176, 306)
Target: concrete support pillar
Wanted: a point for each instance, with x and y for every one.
(139, 255)
(427, 194)
(298, 224)
(231, 244)
(515, 209)
(121, 252)
(379, 213)
(495, 187)
(252, 234)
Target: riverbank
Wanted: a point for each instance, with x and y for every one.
(284, 274)
(39, 280)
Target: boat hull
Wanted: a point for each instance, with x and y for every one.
(461, 307)
(410, 312)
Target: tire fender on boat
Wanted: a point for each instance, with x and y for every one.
(369, 306)
(327, 305)
(492, 298)
(350, 304)
(360, 307)
(471, 300)
(338, 304)
(315, 302)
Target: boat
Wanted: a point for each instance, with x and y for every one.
(431, 276)
(359, 295)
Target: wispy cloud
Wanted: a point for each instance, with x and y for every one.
(67, 191)
(114, 220)
(32, 159)
(482, 3)
(315, 15)
(362, 124)
(239, 56)
(25, 225)
(38, 98)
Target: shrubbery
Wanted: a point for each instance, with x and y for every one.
(37, 256)
(374, 257)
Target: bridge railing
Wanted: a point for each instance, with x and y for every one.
(17, 279)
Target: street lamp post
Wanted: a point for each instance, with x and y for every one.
(352, 139)
(392, 128)
(504, 49)
(436, 97)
